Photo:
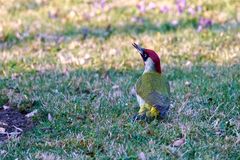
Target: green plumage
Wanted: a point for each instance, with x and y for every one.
(154, 89)
(152, 81)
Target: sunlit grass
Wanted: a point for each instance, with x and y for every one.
(75, 61)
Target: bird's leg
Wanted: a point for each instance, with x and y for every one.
(143, 113)
(138, 117)
(154, 112)
(146, 112)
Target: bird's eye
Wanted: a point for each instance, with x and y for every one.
(145, 55)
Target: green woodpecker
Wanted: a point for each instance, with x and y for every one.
(152, 89)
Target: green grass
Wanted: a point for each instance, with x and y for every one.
(85, 83)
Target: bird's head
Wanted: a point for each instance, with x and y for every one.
(150, 58)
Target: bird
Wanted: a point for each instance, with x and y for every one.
(152, 88)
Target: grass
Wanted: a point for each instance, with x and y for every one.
(79, 68)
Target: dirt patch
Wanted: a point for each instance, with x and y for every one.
(13, 124)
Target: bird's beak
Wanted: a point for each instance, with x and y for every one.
(139, 49)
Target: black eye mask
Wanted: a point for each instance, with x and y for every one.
(144, 56)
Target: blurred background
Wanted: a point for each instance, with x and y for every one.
(38, 35)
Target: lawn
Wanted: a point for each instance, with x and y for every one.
(73, 62)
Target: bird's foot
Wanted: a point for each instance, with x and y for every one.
(139, 117)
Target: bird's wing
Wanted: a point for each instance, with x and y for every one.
(155, 90)
(150, 82)
(160, 101)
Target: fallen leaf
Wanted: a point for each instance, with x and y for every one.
(31, 114)
(179, 142)
(150, 132)
(141, 156)
(187, 96)
(2, 130)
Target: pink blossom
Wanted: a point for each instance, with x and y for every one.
(164, 9)
(141, 7)
(151, 5)
(204, 23)
(191, 11)
(181, 5)
(199, 9)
